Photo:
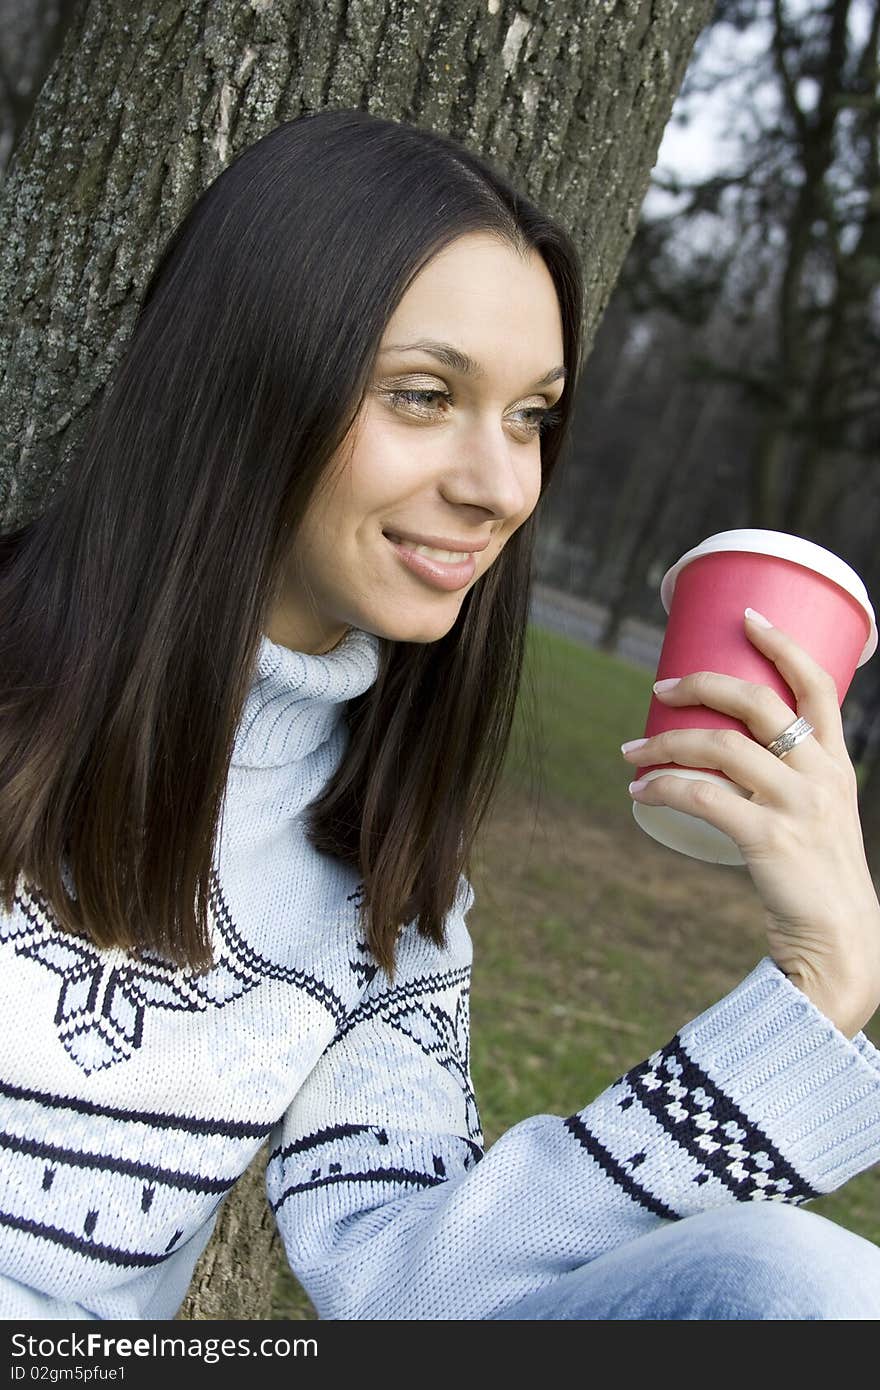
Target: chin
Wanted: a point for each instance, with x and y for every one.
(417, 629)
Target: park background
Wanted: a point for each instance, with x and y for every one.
(732, 381)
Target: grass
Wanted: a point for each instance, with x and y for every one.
(593, 944)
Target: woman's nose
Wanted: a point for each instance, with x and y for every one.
(491, 471)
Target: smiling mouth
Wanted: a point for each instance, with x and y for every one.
(433, 552)
(434, 567)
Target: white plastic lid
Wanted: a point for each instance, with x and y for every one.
(786, 547)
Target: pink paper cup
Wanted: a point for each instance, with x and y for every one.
(800, 587)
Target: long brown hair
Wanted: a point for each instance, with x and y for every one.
(131, 610)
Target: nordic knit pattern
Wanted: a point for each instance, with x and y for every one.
(133, 1095)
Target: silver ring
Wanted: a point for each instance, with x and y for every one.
(782, 745)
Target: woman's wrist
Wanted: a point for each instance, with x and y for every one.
(847, 1015)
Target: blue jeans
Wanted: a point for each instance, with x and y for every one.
(750, 1260)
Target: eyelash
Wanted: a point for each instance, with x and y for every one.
(549, 415)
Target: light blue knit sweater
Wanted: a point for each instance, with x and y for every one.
(134, 1095)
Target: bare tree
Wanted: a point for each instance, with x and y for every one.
(796, 245)
(753, 299)
(146, 104)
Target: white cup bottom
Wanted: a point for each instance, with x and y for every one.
(689, 834)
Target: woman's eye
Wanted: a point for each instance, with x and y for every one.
(540, 418)
(420, 402)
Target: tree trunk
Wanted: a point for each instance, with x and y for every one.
(866, 750)
(635, 512)
(235, 1276)
(148, 102)
(767, 477)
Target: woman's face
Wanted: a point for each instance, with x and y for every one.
(445, 448)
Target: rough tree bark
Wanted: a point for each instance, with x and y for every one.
(150, 99)
(235, 1276)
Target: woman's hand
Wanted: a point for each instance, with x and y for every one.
(799, 831)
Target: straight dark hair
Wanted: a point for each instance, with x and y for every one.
(132, 609)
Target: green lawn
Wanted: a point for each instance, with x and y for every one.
(593, 944)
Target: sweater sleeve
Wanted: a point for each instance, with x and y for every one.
(19, 1302)
(390, 1209)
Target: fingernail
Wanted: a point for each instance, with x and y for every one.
(758, 618)
(666, 684)
(633, 743)
(638, 785)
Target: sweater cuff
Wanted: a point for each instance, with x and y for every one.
(813, 1092)
(868, 1051)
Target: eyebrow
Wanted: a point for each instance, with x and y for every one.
(460, 362)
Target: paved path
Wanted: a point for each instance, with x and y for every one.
(582, 621)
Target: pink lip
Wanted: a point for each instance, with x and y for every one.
(439, 542)
(436, 572)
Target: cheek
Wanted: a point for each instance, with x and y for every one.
(368, 482)
(530, 480)
(537, 479)
(531, 487)
(382, 469)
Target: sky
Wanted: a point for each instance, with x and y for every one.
(705, 145)
(718, 123)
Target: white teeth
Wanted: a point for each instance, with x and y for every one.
(450, 556)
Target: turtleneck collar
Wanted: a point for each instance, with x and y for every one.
(296, 699)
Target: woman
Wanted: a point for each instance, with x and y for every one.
(235, 890)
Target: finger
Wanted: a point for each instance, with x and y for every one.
(729, 751)
(764, 713)
(814, 688)
(745, 822)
